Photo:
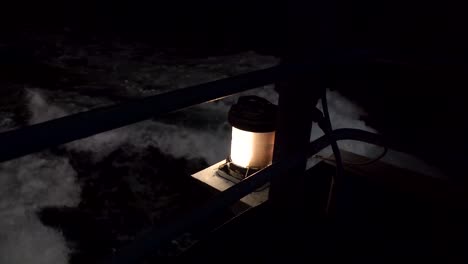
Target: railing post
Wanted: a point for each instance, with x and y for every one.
(309, 42)
(297, 99)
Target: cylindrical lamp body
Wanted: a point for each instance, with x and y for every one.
(252, 149)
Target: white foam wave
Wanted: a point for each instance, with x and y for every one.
(26, 185)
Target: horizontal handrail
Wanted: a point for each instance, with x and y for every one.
(149, 241)
(30, 139)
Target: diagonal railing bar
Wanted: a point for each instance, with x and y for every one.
(30, 139)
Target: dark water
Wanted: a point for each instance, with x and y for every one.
(122, 195)
(127, 180)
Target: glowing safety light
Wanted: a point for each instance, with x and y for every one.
(253, 121)
(250, 149)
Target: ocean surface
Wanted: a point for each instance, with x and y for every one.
(81, 201)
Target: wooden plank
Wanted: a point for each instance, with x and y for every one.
(209, 177)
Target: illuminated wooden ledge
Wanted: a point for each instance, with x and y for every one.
(209, 177)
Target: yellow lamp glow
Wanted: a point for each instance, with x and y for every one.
(252, 149)
(253, 121)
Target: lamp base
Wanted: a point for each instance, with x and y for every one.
(234, 173)
(229, 171)
(221, 172)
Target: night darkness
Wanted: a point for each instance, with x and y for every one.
(395, 67)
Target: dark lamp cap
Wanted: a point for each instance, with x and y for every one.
(254, 114)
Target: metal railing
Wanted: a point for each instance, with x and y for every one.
(145, 244)
(27, 140)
